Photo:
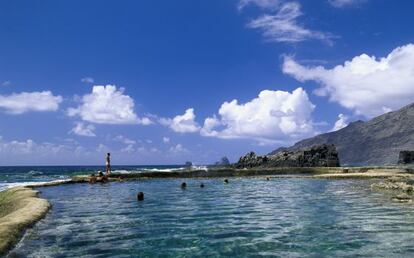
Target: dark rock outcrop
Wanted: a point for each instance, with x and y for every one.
(251, 160)
(406, 157)
(324, 155)
(375, 142)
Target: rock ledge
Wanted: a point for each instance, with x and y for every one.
(324, 155)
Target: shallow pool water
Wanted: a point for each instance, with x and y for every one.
(288, 217)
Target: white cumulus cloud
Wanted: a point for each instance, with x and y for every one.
(103, 148)
(165, 139)
(19, 103)
(128, 149)
(82, 129)
(341, 122)
(179, 148)
(274, 116)
(367, 85)
(107, 105)
(129, 143)
(125, 140)
(284, 26)
(182, 123)
(16, 149)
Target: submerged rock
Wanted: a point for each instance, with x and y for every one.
(402, 186)
(395, 184)
(324, 155)
(402, 198)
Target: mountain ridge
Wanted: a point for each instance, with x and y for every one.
(377, 141)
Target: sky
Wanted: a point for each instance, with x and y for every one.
(165, 82)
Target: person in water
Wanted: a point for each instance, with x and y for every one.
(108, 164)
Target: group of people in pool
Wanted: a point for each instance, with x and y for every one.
(102, 178)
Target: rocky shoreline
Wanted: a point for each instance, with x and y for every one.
(317, 172)
(324, 155)
(20, 208)
(400, 187)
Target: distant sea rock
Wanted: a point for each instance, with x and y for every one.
(324, 155)
(224, 161)
(375, 142)
(406, 157)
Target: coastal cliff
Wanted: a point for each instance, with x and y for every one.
(324, 155)
(375, 142)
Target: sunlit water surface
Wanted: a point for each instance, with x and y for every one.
(292, 217)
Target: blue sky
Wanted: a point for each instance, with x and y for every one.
(163, 82)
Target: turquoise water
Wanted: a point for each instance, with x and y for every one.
(288, 217)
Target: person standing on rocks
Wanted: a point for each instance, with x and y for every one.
(108, 164)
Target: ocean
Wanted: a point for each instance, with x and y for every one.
(31, 175)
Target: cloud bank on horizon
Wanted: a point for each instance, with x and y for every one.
(291, 104)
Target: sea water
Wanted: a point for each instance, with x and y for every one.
(31, 175)
(249, 217)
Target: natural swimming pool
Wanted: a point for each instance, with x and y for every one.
(287, 217)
